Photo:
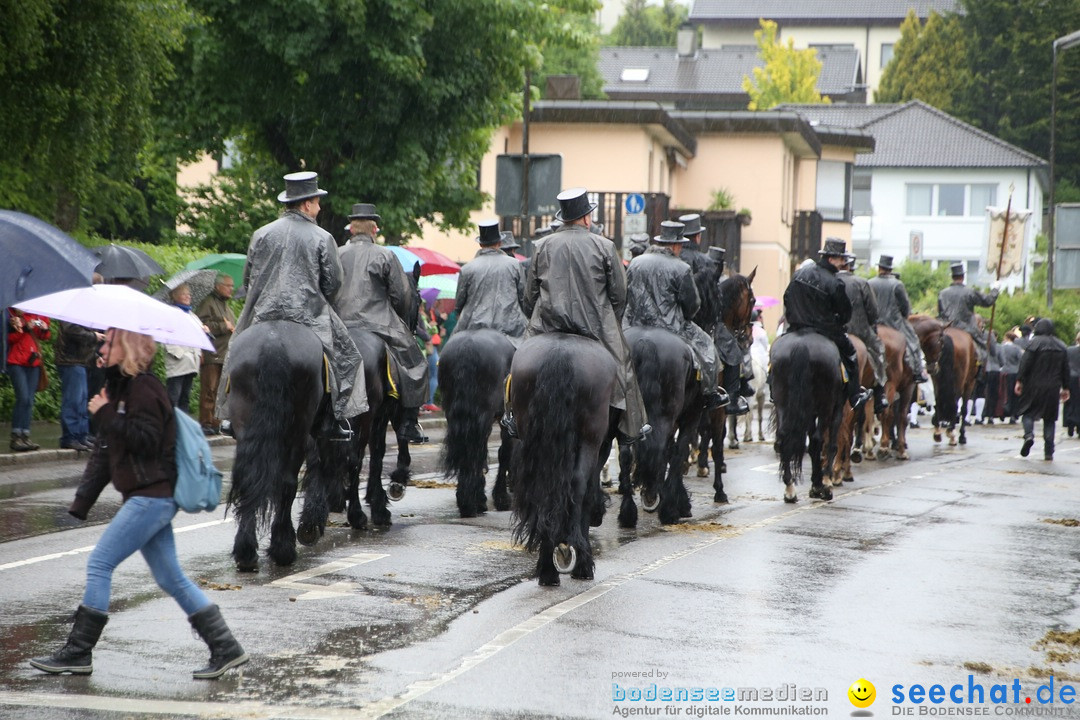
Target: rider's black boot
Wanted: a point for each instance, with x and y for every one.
(717, 399)
(410, 426)
(509, 423)
(881, 403)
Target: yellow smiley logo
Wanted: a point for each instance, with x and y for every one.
(862, 693)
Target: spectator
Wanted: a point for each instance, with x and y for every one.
(76, 346)
(1072, 407)
(214, 312)
(994, 385)
(432, 351)
(1042, 379)
(24, 367)
(138, 456)
(182, 362)
(1010, 354)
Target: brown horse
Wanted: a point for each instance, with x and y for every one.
(952, 364)
(737, 303)
(851, 426)
(899, 389)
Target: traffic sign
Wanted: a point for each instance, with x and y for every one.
(635, 203)
(634, 224)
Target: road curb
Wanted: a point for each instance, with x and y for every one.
(44, 455)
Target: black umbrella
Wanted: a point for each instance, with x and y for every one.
(121, 261)
(39, 259)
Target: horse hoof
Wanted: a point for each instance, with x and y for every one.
(650, 501)
(248, 567)
(963, 440)
(703, 472)
(720, 498)
(791, 499)
(607, 483)
(549, 582)
(883, 454)
(466, 514)
(937, 437)
(849, 479)
(308, 535)
(903, 456)
(564, 557)
(395, 491)
(733, 446)
(856, 456)
(823, 494)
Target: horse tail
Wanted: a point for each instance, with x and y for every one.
(547, 454)
(649, 454)
(798, 412)
(946, 390)
(259, 466)
(468, 417)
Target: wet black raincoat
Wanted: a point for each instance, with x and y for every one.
(491, 294)
(1044, 371)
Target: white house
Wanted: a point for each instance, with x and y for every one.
(923, 192)
(869, 28)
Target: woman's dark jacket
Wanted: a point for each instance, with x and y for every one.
(136, 446)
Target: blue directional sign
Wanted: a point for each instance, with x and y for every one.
(635, 203)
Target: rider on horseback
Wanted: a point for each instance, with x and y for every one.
(576, 285)
(956, 307)
(816, 299)
(863, 325)
(376, 296)
(893, 310)
(660, 292)
(491, 288)
(292, 273)
(708, 269)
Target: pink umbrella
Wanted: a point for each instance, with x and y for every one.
(765, 301)
(431, 262)
(118, 306)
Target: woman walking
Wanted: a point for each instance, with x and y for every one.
(136, 450)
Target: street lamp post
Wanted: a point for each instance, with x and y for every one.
(1062, 44)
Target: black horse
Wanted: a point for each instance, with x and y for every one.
(808, 401)
(733, 305)
(664, 366)
(560, 394)
(276, 386)
(473, 367)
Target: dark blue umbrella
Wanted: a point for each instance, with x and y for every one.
(121, 261)
(39, 259)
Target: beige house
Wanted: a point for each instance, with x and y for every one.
(769, 161)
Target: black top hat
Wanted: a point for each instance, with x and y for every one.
(717, 253)
(957, 269)
(489, 232)
(834, 247)
(885, 262)
(301, 186)
(671, 233)
(364, 211)
(573, 204)
(555, 224)
(507, 241)
(692, 223)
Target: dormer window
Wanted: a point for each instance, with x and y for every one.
(634, 74)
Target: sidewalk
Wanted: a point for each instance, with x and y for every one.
(47, 435)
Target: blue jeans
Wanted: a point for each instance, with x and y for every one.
(143, 524)
(24, 380)
(433, 374)
(179, 389)
(74, 416)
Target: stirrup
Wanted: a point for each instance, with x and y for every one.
(507, 422)
(626, 440)
(338, 431)
(740, 407)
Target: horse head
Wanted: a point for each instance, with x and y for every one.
(931, 334)
(737, 300)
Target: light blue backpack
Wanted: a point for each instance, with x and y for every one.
(198, 482)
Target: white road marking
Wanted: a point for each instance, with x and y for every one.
(88, 548)
(322, 592)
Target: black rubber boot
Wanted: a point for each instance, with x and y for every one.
(716, 399)
(739, 407)
(410, 426)
(625, 440)
(1048, 449)
(76, 657)
(225, 652)
(1025, 449)
(859, 397)
(881, 403)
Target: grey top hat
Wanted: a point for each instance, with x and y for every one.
(692, 223)
(555, 224)
(671, 233)
(957, 269)
(507, 241)
(301, 186)
(489, 232)
(885, 262)
(364, 211)
(573, 204)
(834, 247)
(717, 253)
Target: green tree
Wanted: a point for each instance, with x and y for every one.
(390, 102)
(925, 63)
(578, 57)
(1009, 57)
(77, 84)
(789, 75)
(645, 25)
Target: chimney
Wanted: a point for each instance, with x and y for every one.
(686, 41)
(563, 87)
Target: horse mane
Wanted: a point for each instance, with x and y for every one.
(708, 314)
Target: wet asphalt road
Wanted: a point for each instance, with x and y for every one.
(920, 572)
